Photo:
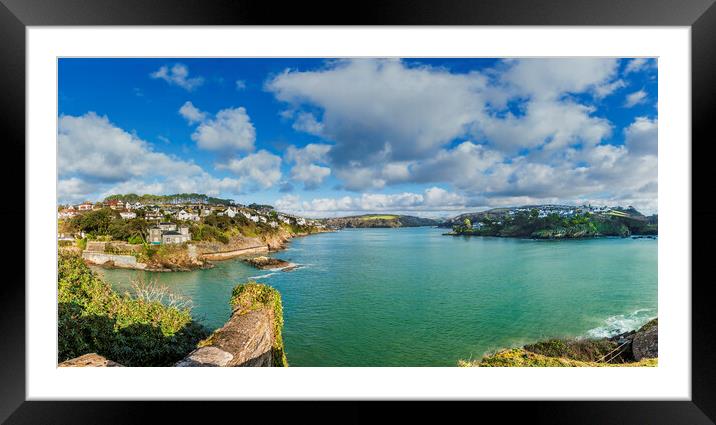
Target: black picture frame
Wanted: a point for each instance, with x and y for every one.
(16, 15)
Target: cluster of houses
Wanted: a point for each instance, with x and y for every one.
(546, 210)
(165, 232)
(561, 210)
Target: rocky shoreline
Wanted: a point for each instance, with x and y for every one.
(198, 256)
(637, 348)
(556, 236)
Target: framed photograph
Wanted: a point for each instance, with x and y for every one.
(459, 202)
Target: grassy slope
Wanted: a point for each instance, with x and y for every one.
(379, 217)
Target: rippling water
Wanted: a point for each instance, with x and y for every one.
(412, 297)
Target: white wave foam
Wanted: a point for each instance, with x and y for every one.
(263, 276)
(621, 323)
(289, 267)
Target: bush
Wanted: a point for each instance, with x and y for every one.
(131, 330)
(588, 350)
(207, 232)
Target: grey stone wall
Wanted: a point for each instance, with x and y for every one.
(101, 258)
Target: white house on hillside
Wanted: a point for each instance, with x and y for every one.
(85, 206)
(183, 215)
(231, 212)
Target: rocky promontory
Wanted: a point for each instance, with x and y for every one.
(251, 337)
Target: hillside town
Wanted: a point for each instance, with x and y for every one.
(170, 222)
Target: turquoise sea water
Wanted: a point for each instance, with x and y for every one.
(413, 297)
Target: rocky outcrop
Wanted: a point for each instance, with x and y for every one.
(645, 343)
(245, 340)
(176, 258)
(89, 360)
(265, 263)
(206, 356)
(251, 337)
(277, 241)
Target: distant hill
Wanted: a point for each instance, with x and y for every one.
(379, 220)
(179, 198)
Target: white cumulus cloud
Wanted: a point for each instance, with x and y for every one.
(641, 137)
(230, 130)
(432, 200)
(307, 160)
(191, 113)
(260, 170)
(96, 158)
(177, 75)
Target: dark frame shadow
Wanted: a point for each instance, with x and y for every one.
(700, 15)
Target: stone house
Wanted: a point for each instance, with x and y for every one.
(168, 234)
(155, 236)
(167, 226)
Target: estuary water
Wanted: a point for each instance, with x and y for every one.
(413, 297)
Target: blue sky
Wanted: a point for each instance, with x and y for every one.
(323, 137)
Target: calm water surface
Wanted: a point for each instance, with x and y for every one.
(412, 297)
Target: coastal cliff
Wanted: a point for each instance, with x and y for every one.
(187, 256)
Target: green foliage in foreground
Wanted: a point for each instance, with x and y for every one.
(519, 357)
(133, 331)
(253, 296)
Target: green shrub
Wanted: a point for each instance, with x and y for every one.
(588, 350)
(208, 232)
(131, 330)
